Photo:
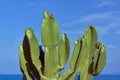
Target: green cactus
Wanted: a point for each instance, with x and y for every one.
(88, 58)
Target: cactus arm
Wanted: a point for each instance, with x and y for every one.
(51, 64)
(84, 72)
(50, 39)
(100, 59)
(83, 56)
(91, 40)
(23, 65)
(31, 52)
(63, 51)
(50, 30)
(83, 61)
(76, 55)
(73, 62)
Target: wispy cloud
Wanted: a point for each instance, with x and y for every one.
(104, 3)
(95, 17)
(105, 22)
(109, 27)
(111, 46)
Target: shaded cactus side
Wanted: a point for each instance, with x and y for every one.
(88, 58)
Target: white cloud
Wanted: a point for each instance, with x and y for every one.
(104, 22)
(104, 3)
(108, 27)
(96, 17)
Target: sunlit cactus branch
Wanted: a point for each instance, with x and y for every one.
(88, 57)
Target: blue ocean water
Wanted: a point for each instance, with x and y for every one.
(99, 77)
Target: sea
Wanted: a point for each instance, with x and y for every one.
(99, 77)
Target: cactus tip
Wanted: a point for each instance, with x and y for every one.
(28, 30)
(63, 37)
(47, 15)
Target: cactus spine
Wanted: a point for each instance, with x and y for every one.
(88, 58)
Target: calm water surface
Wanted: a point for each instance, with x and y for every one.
(99, 77)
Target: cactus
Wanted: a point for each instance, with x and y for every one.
(88, 58)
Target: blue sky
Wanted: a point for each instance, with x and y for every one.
(73, 17)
